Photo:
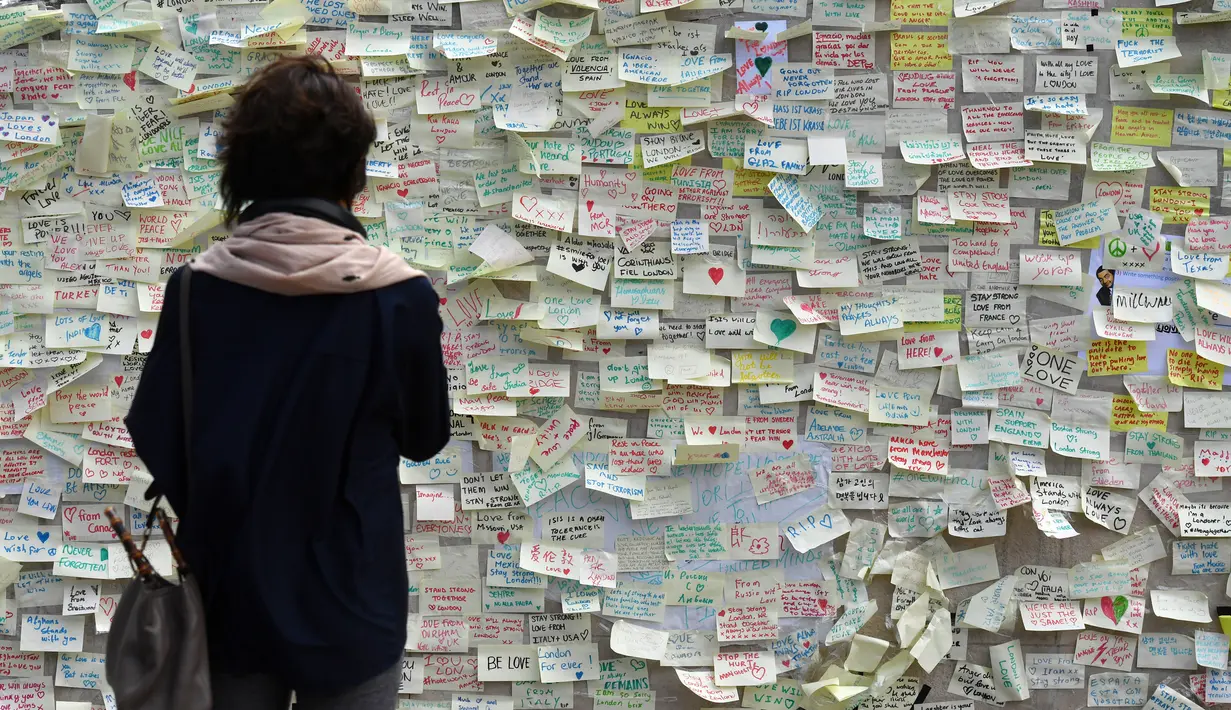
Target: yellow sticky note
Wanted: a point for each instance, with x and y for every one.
(1134, 125)
(1145, 21)
(639, 116)
(1188, 369)
(748, 183)
(920, 50)
(762, 366)
(1221, 100)
(952, 321)
(921, 12)
(1117, 357)
(1178, 205)
(1226, 157)
(658, 173)
(1049, 238)
(1125, 415)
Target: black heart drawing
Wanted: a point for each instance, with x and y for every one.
(579, 265)
(762, 26)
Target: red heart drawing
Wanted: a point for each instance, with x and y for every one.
(788, 443)
(130, 80)
(807, 644)
(147, 334)
(606, 350)
(444, 301)
(70, 513)
(937, 351)
(503, 536)
(722, 612)
(119, 380)
(1205, 462)
(716, 273)
(589, 205)
(1039, 401)
(107, 604)
(1109, 189)
(535, 390)
(820, 375)
(528, 202)
(786, 663)
(403, 192)
(805, 307)
(566, 572)
(713, 429)
(440, 139)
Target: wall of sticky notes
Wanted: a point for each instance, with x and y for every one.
(834, 354)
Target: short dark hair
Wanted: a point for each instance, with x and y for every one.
(296, 129)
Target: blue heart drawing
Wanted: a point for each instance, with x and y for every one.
(43, 536)
(93, 332)
(580, 674)
(724, 455)
(826, 522)
(856, 434)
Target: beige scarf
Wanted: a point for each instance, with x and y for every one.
(302, 256)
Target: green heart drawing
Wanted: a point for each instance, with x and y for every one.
(1149, 444)
(1115, 607)
(782, 328)
(763, 64)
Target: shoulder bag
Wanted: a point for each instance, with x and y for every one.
(157, 658)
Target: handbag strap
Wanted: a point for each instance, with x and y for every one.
(156, 511)
(186, 365)
(136, 555)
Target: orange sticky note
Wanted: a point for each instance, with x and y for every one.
(1178, 205)
(1126, 416)
(1188, 369)
(1135, 125)
(920, 50)
(1116, 357)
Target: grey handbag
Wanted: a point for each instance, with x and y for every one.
(157, 657)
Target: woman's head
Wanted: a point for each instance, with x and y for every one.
(296, 130)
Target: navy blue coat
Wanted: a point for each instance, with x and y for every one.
(291, 515)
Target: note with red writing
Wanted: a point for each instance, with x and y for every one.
(556, 437)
